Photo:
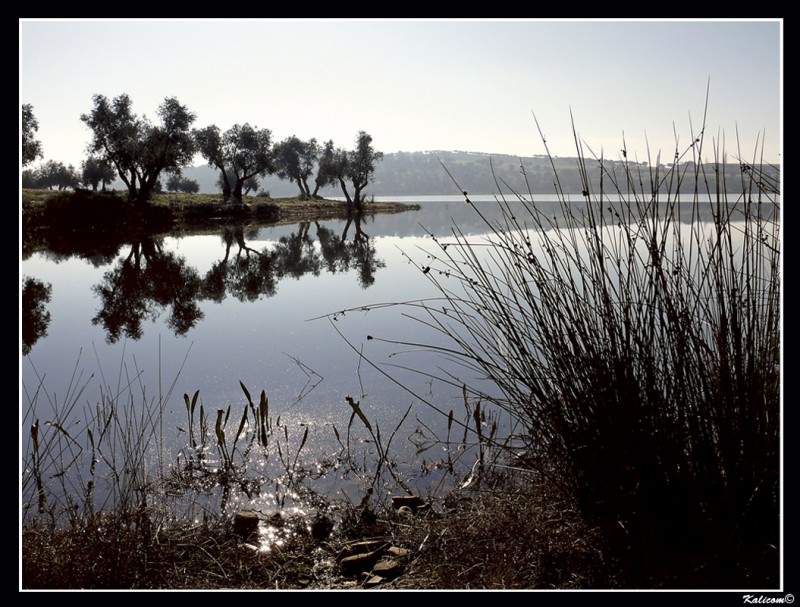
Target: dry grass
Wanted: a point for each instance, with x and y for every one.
(498, 536)
(127, 551)
(506, 536)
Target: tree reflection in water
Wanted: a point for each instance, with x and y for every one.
(35, 317)
(340, 255)
(248, 276)
(141, 286)
(296, 254)
(149, 279)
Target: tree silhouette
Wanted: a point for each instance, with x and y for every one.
(339, 255)
(177, 183)
(96, 171)
(296, 255)
(148, 281)
(294, 160)
(358, 168)
(139, 150)
(241, 153)
(35, 317)
(143, 284)
(248, 276)
(31, 148)
(363, 253)
(54, 174)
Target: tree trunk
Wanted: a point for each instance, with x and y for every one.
(142, 196)
(237, 190)
(133, 191)
(146, 188)
(357, 200)
(226, 185)
(346, 196)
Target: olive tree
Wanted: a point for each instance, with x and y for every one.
(249, 185)
(327, 168)
(240, 153)
(138, 149)
(96, 172)
(31, 148)
(357, 167)
(178, 183)
(56, 174)
(295, 161)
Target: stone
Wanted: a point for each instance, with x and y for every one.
(245, 524)
(359, 563)
(321, 527)
(359, 548)
(412, 501)
(398, 552)
(387, 568)
(373, 580)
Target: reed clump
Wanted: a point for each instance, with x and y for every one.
(635, 336)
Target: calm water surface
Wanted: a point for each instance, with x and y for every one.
(257, 306)
(127, 320)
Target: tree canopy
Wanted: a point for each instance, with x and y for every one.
(327, 167)
(295, 160)
(96, 172)
(138, 149)
(241, 153)
(357, 167)
(51, 174)
(179, 183)
(31, 148)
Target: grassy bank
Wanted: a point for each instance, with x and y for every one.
(46, 208)
(103, 221)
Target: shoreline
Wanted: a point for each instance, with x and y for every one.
(109, 218)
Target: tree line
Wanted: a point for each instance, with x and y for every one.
(139, 152)
(311, 166)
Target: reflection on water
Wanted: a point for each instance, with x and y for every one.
(149, 280)
(35, 317)
(142, 284)
(202, 313)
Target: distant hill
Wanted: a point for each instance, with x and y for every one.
(435, 173)
(426, 174)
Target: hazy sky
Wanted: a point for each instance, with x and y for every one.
(415, 85)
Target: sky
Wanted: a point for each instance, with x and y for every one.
(424, 85)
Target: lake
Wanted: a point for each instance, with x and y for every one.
(294, 310)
